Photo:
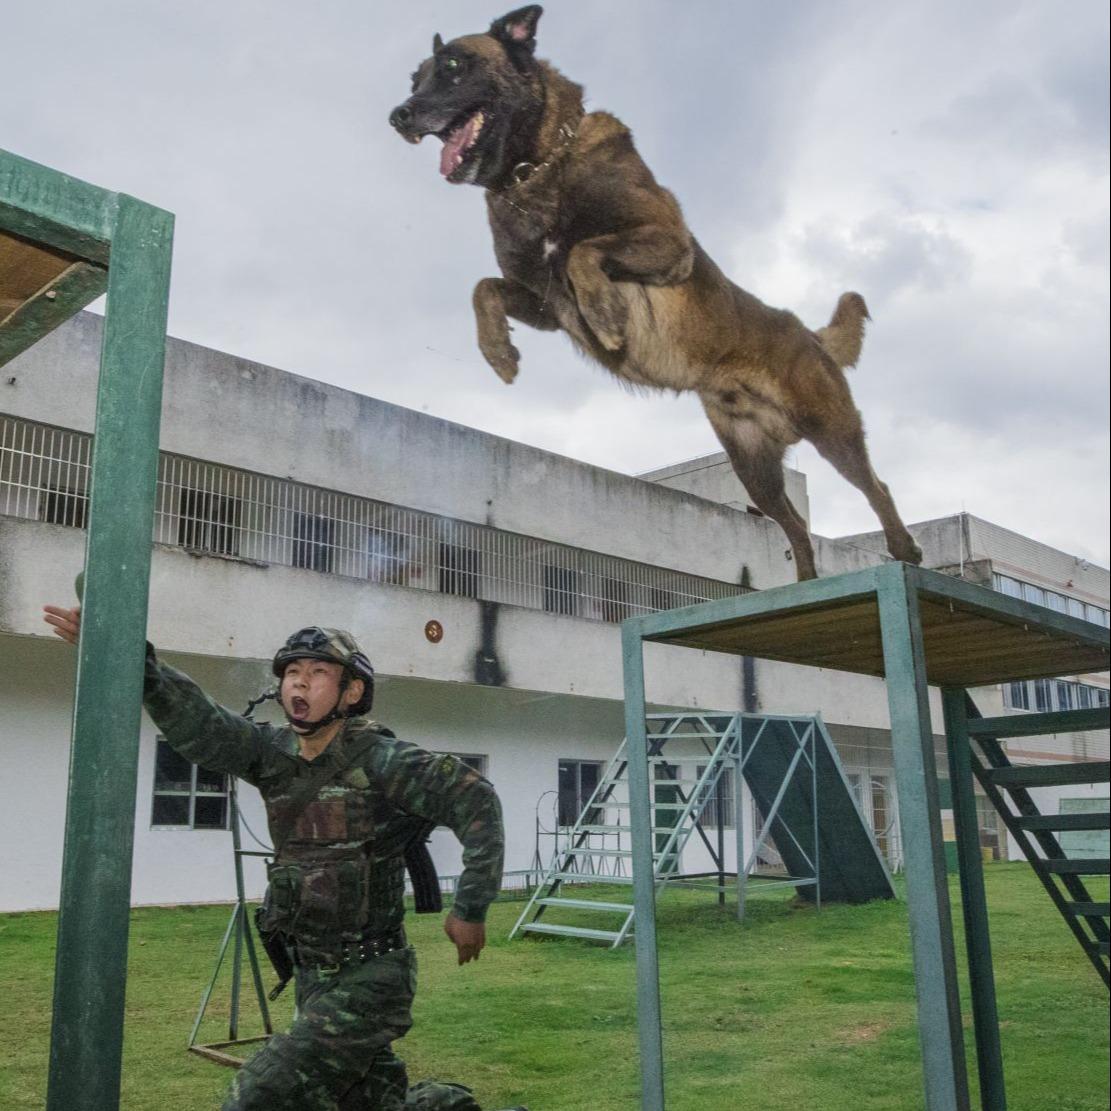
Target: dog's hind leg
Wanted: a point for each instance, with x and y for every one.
(845, 448)
(757, 459)
(495, 300)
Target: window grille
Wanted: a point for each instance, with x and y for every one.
(222, 511)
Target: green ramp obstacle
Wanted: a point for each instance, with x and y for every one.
(778, 765)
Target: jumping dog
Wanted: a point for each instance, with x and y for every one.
(589, 242)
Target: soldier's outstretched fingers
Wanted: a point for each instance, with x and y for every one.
(65, 622)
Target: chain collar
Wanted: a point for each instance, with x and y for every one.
(526, 171)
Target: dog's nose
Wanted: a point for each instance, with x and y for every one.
(401, 117)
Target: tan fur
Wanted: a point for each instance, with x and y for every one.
(588, 242)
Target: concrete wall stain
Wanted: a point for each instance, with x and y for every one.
(488, 670)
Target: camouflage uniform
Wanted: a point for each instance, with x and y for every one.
(338, 879)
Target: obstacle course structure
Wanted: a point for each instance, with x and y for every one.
(795, 778)
(915, 628)
(63, 243)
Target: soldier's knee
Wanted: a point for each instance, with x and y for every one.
(268, 1081)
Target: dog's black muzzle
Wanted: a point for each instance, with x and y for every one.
(401, 117)
(407, 122)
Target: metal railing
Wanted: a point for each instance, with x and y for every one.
(209, 508)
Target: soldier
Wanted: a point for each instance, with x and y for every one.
(343, 797)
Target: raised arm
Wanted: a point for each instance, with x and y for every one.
(197, 727)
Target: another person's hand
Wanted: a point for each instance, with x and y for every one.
(469, 937)
(66, 623)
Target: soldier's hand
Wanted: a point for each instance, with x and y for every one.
(469, 937)
(65, 622)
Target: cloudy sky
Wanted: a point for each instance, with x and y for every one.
(949, 160)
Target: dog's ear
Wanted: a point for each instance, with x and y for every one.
(437, 43)
(518, 28)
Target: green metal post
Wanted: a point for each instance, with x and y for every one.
(644, 884)
(91, 963)
(989, 1056)
(739, 825)
(931, 927)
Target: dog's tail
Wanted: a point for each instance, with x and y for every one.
(843, 336)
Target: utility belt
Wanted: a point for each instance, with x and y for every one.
(347, 953)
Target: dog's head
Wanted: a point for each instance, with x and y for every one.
(482, 96)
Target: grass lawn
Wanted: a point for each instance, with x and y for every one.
(796, 1009)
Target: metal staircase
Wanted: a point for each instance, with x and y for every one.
(1008, 786)
(681, 792)
(789, 764)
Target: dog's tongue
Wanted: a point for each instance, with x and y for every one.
(455, 144)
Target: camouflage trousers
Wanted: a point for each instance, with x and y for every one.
(337, 1055)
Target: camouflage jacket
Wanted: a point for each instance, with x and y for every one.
(340, 872)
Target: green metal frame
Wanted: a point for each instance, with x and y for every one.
(895, 589)
(122, 246)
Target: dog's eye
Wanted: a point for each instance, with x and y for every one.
(451, 65)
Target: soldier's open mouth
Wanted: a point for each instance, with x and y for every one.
(299, 707)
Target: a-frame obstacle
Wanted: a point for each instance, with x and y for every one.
(794, 775)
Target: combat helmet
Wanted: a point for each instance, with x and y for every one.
(336, 646)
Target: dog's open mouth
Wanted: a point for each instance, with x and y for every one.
(459, 141)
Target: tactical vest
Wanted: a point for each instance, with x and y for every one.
(340, 854)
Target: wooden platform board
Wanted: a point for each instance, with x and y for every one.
(40, 287)
(973, 636)
(25, 270)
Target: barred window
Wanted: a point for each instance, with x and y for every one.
(458, 570)
(64, 507)
(560, 590)
(208, 522)
(312, 542)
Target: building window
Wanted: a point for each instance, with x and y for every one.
(613, 600)
(63, 507)
(186, 796)
(577, 782)
(1065, 699)
(1053, 694)
(560, 590)
(1062, 603)
(1043, 696)
(1033, 594)
(458, 570)
(208, 522)
(312, 542)
(1016, 696)
(387, 557)
(719, 800)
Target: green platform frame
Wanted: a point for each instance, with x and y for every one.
(916, 628)
(63, 243)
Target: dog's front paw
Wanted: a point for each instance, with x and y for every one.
(504, 358)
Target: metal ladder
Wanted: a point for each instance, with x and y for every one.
(673, 822)
(1008, 786)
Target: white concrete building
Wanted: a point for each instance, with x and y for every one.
(484, 578)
